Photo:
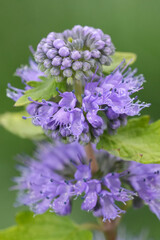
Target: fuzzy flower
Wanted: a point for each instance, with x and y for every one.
(106, 103)
(75, 53)
(27, 74)
(14, 93)
(145, 179)
(57, 175)
(112, 96)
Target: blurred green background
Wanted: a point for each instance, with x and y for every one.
(133, 26)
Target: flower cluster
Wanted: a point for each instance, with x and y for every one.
(102, 102)
(58, 174)
(106, 103)
(75, 53)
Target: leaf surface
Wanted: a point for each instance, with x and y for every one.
(117, 58)
(13, 122)
(44, 227)
(138, 141)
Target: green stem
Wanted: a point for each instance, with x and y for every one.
(78, 90)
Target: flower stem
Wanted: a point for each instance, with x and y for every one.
(90, 155)
(78, 90)
(110, 229)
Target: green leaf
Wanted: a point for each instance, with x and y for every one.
(44, 227)
(138, 141)
(117, 58)
(13, 122)
(34, 84)
(42, 90)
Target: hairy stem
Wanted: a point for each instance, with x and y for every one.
(90, 155)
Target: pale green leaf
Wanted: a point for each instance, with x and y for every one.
(34, 84)
(138, 141)
(42, 90)
(117, 58)
(13, 122)
(44, 227)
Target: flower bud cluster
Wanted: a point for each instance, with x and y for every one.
(75, 53)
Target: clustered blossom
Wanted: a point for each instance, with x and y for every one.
(59, 174)
(74, 53)
(106, 103)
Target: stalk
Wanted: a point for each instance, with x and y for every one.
(78, 90)
(108, 228)
(90, 155)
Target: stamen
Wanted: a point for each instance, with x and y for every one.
(58, 90)
(119, 66)
(126, 65)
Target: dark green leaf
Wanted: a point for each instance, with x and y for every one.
(43, 90)
(117, 58)
(14, 123)
(138, 141)
(44, 227)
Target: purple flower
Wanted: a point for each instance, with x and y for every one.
(57, 175)
(112, 95)
(107, 207)
(72, 44)
(14, 93)
(62, 120)
(27, 74)
(145, 179)
(71, 120)
(31, 73)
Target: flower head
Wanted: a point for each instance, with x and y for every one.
(74, 53)
(112, 95)
(106, 103)
(59, 174)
